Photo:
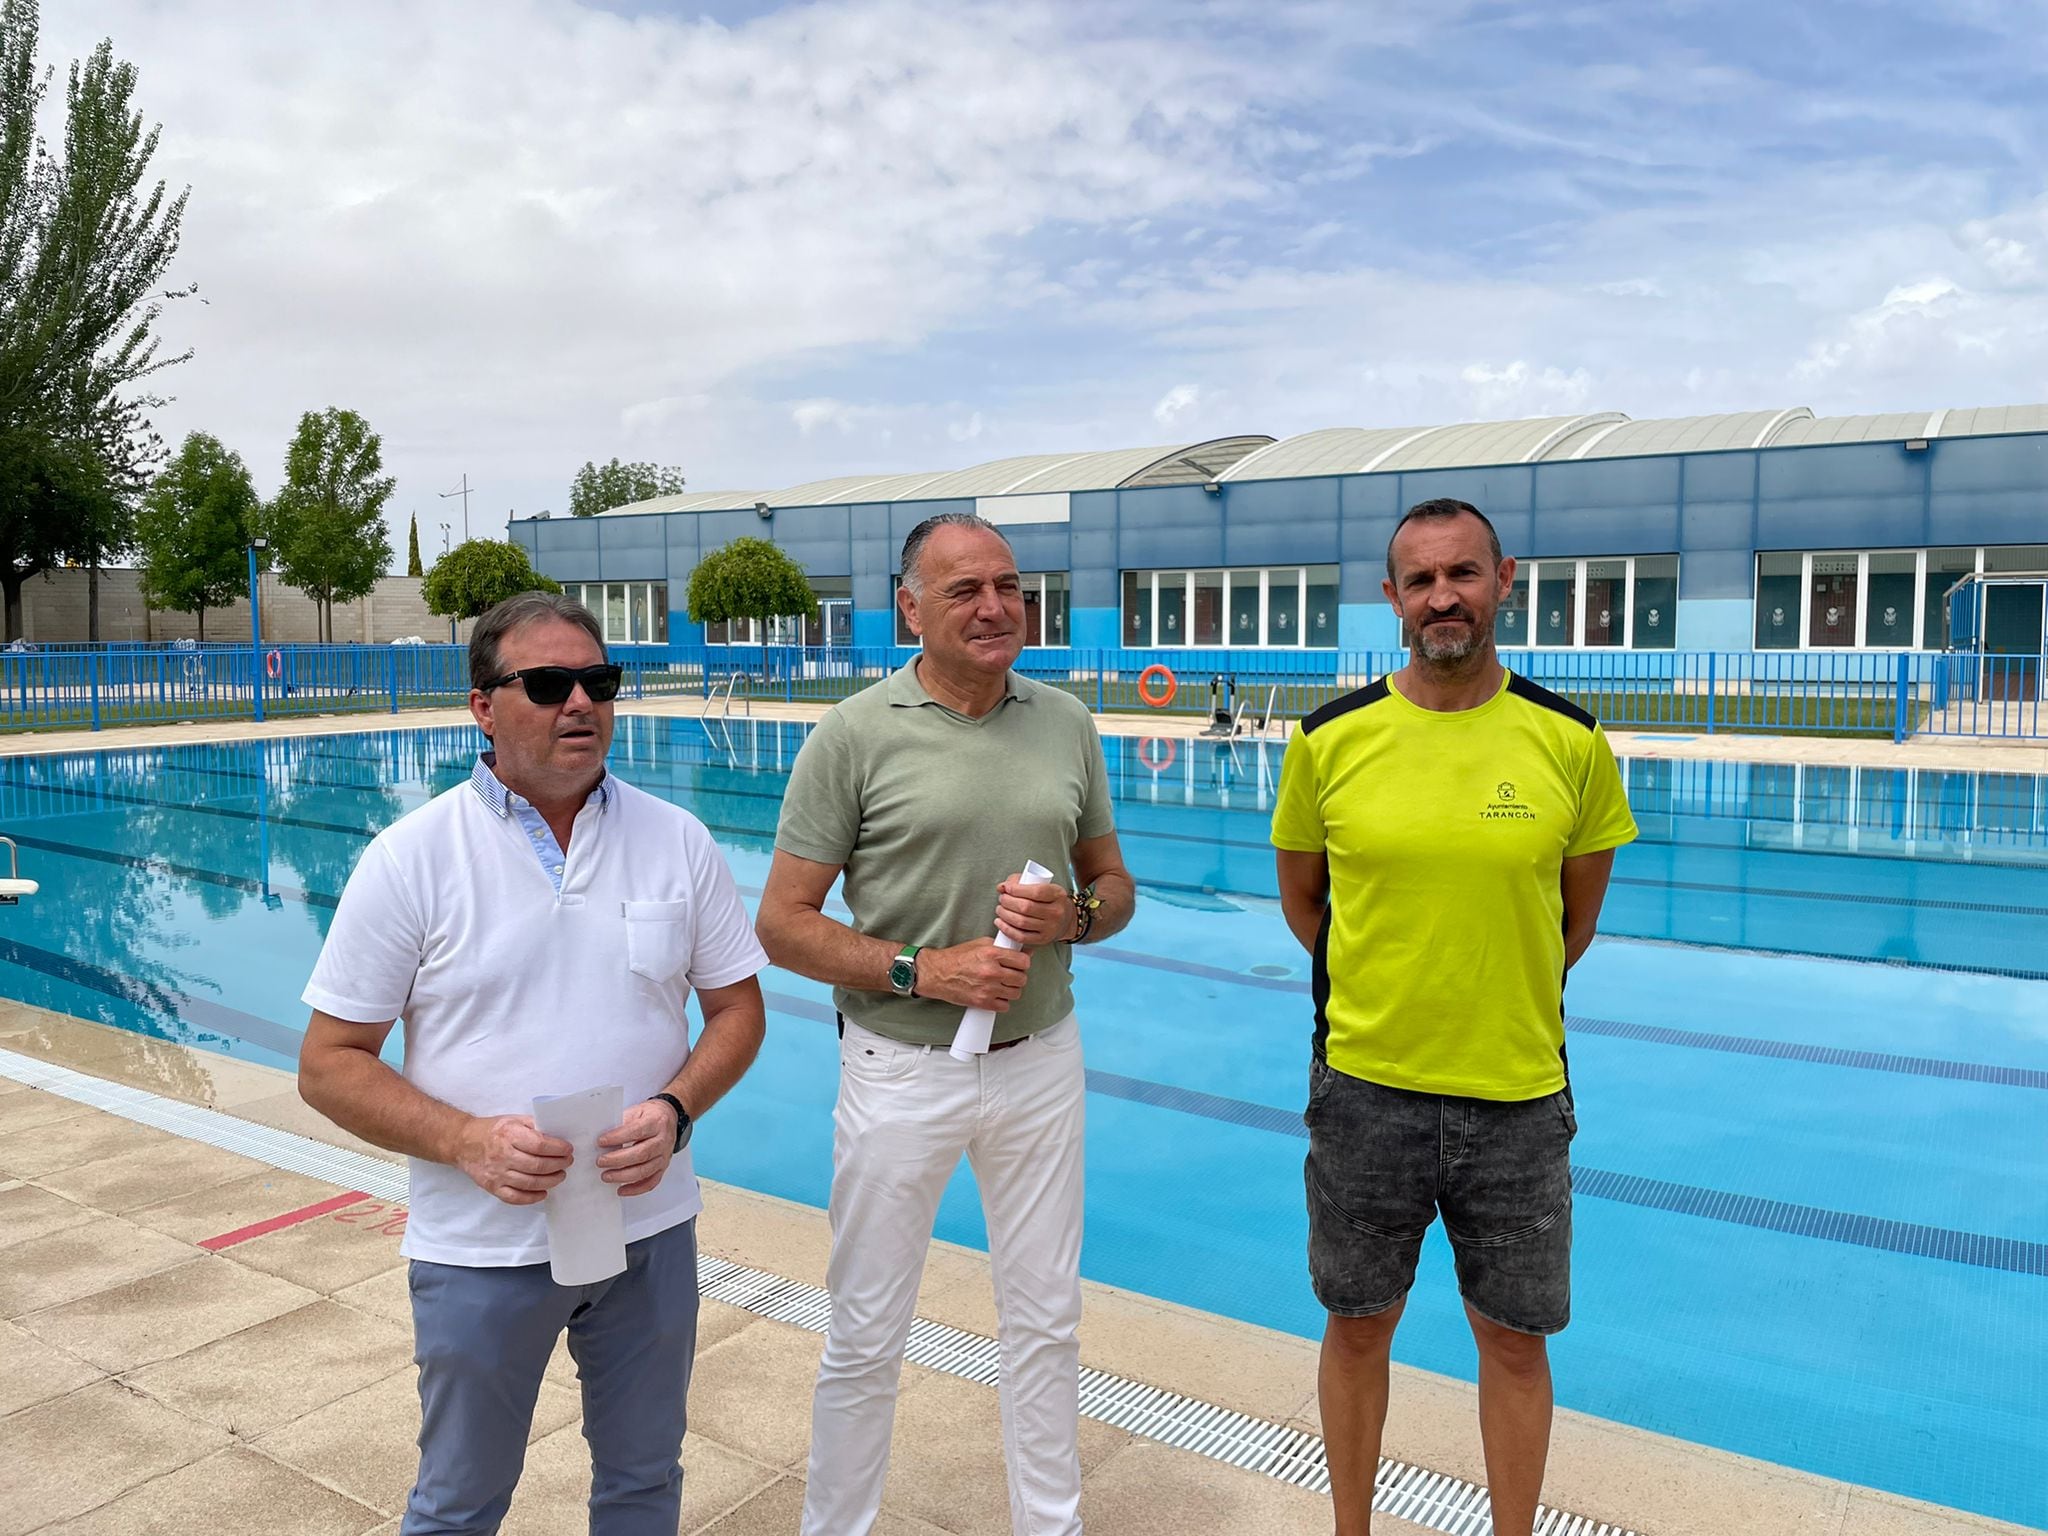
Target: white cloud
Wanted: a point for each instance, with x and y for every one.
(508, 231)
(810, 415)
(1176, 403)
(518, 234)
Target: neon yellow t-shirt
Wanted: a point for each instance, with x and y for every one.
(1440, 966)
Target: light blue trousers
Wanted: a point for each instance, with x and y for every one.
(483, 1337)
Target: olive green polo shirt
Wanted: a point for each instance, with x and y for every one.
(929, 810)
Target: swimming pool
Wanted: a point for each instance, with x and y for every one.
(1811, 1057)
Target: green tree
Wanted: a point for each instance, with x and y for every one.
(477, 575)
(327, 525)
(749, 579)
(194, 529)
(412, 549)
(600, 487)
(83, 250)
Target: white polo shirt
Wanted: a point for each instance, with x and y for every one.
(509, 988)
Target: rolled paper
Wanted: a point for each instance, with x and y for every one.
(586, 1223)
(978, 1025)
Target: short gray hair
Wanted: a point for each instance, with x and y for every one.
(486, 641)
(913, 547)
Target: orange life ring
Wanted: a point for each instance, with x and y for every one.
(1166, 761)
(273, 664)
(1144, 686)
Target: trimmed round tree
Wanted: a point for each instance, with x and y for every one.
(477, 575)
(749, 579)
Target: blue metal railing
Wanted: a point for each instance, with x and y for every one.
(1876, 694)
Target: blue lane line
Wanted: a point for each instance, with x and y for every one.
(1742, 1045)
(1952, 1245)
(1826, 1055)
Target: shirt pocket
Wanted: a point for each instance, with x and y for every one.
(658, 938)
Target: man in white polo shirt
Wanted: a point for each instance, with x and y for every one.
(540, 929)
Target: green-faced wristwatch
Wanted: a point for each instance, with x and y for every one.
(903, 971)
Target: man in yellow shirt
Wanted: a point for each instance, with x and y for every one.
(1444, 841)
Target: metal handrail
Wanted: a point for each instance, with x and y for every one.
(13, 888)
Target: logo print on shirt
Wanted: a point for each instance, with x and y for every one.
(1506, 807)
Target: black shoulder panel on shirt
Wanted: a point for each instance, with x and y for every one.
(1543, 698)
(1371, 693)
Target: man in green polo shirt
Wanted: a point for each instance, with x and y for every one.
(1445, 838)
(931, 791)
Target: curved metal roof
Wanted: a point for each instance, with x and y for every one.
(1623, 438)
(1368, 450)
(1993, 418)
(1196, 464)
(1892, 426)
(1326, 451)
(687, 501)
(1042, 472)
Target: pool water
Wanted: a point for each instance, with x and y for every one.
(1810, 1054)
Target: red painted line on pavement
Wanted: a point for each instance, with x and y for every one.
(288, 1219)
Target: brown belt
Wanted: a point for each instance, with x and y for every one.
(1004, 1045)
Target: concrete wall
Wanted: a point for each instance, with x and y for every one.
(54, 611)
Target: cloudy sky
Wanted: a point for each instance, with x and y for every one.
(769, 243)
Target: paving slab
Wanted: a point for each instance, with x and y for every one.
(286, 1111)
(234, 1204)
(387, 1296)
(76, 1452)
(31, 1108)
(27, 1211)
(234, 1492)
(264, 1376)
(330, 1252)
(164, 1314)
(1148, 1489)
(32, 1371)
(946, 1460)
(367, 1443)
(753, 1391)
(82, 1260)
(554, 1490)
(40, 1150)
(148, 1175)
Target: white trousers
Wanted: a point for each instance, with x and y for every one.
(905, 1115)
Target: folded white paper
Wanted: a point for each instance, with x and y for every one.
(978, 1025)
(586, 1224)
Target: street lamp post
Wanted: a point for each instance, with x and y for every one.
(444, 550)
(256, 623)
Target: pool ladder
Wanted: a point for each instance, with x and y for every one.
(731, 685)
(13, 888)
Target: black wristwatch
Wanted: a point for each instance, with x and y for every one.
(684, 1124)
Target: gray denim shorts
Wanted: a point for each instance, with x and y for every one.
(1382, 1162)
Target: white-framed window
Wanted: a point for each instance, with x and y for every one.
(1045, 609)
(632, 612)
(1290, 606)
(1615, 602)
(1869, 599)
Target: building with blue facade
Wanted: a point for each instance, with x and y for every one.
(1766, 530)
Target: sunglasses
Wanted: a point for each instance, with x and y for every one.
(553, 685)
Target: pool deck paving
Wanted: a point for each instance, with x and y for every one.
(193, 1338)
(1955, 753)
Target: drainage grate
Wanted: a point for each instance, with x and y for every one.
(1432, 1500)
(281, 1149)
